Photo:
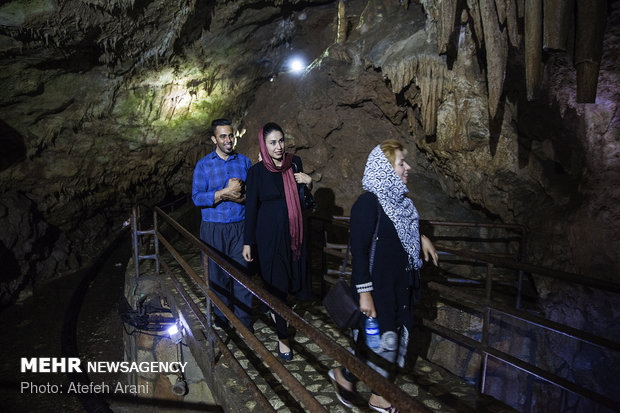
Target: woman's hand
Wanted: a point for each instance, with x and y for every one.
(428, 249)
(247, 253)
(302, 178)
(367, 305)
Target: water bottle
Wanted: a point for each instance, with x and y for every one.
(373, 338)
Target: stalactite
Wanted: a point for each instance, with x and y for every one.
(342, 23)
(512, 23)
(533, 47)
(430, 80)
(591, 20)
(500, 6)
(521, 8)
(428, 73)
(474, 10)
(496, 46)
(446, 24)
(556, 21)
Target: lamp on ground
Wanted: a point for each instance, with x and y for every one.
(175, 333)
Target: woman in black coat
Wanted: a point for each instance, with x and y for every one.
(386, 285)
(273, 222)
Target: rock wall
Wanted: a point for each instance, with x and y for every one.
(106, 104)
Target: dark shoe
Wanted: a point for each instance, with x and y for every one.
(221, 323)
(390, 409)
(345, 396)
(288, 356)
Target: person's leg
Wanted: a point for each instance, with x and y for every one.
(281, 326)
(342, 379)
(392, 353)
(219, 281)
(242, 296)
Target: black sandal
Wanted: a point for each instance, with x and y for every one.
(344, 396)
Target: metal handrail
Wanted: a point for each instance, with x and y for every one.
(470, 301)
(136, 233)
(377, 382)
(533, 269)
(487, 306)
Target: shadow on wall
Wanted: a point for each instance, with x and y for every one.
(10, 266)
(13, 148)
(326, 201)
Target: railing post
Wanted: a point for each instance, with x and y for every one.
(489, 281)
(486, 321)
(483, 379)
(156, 242)
(323, 259)
(210, 332)
(520, 258)
(134, 234)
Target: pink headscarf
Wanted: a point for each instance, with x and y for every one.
(295, 223)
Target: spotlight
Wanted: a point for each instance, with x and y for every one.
(297, 65)
(175, 333)
(180, 387)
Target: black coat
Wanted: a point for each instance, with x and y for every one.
(266, 227)
(391, 279)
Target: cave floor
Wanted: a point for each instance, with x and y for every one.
(435, 387)
(77, 316)
(73, 316)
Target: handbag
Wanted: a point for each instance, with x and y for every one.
(341, 306)
(306, 200)
(339, 301)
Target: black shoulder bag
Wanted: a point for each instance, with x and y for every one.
(306, 200)
(339, 301)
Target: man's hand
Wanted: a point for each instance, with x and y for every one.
(232, 192)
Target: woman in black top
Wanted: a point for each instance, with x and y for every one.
(273, 222)
(386, 290)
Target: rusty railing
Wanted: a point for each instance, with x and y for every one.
(487, 305)
(378, 383)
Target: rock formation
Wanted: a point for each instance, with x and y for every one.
(107, 103)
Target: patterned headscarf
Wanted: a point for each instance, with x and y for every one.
(381, 179)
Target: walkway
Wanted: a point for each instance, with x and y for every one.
(438, 389)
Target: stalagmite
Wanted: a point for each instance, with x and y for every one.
(556, 21)
(446, 24)
(496, 45)
(591, 19)
(533, 47)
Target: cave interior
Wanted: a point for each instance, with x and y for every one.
(509, 110)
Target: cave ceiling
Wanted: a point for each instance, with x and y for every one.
(106, 104)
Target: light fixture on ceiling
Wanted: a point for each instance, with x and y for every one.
(296, 64)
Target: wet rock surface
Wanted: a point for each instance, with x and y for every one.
(74, 316)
